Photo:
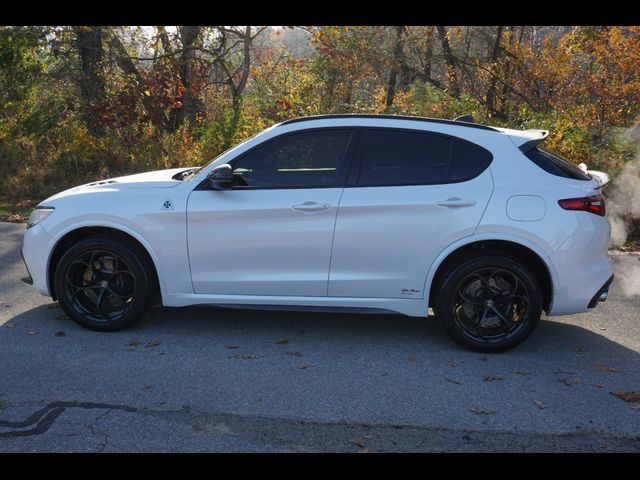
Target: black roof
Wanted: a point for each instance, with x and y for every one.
(392, 117)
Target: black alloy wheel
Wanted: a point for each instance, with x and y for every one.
(489, 303)
(103, 284)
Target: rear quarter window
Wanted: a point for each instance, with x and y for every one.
(408, 157)
(555, 164)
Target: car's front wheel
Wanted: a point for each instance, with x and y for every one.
(104, 284)
(489, 303)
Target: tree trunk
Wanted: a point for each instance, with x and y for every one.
(395, 66)
(92, 88)
(450, 60)
(191, 104)
(491, 88)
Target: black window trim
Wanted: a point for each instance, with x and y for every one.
(357, 159)
(347, 156)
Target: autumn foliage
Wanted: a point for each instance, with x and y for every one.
(81, 103)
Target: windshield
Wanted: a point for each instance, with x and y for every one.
(189, 174)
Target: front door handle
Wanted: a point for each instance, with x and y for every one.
(456, 202)
(311, 207)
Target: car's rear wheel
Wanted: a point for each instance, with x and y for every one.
(489, 303)
(104, 284)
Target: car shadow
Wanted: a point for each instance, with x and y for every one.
(373, 369)
(554, 345)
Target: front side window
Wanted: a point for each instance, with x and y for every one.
(299, 160)
(401, 157)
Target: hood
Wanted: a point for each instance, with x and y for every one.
(154, 179)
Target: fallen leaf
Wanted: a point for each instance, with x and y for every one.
(243, 356)
(132, 343)
(147, 387)
(566, 372)
(7, 305)
(232, 346)
(601, 328)
(358, 442)
(604, 368)
(59, 333)
(570, 381)
(9, 325)
(62, 317)
(456, 382)
(598, 385)
(540, 405)
(294, 354)
(153, 343)
(284, 341)
(33, 332)
(524, 373)
(304, 366)
(626, 396)
(482, 411)
(492, 378)
(635, 407)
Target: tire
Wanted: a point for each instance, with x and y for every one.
(104, 283)
(489, 303)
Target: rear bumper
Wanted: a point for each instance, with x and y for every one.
(583, 268)
(602, 294)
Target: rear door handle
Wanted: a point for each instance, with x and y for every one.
(311, 207)
(455, 202)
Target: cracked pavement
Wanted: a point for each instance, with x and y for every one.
(216, 380)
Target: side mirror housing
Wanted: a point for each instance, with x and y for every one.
(221, 178)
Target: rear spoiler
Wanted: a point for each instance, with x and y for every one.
(600, 177)
(534, 142)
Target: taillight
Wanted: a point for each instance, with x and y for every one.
(593, 204)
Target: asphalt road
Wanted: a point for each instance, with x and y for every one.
(208, 379)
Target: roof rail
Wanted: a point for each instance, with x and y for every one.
(391, 117)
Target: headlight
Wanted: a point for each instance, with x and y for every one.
(39, 214)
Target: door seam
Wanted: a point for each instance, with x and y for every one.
(333, 238)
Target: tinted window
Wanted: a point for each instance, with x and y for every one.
(398, 157)
(467, 161)
(310, 159)
(555, 165)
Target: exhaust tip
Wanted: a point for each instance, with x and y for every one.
(603, 296)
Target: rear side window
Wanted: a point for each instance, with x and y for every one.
(555, 164)
(401, 157)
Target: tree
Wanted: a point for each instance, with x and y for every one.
(91, 80)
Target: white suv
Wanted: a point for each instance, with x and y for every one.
(339, 212)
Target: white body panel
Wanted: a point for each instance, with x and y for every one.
(387, 237)
(253, 242)
(371, 243)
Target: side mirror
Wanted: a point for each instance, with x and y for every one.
(221, 178)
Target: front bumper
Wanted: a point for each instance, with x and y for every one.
(36, 245)
(28, 280)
